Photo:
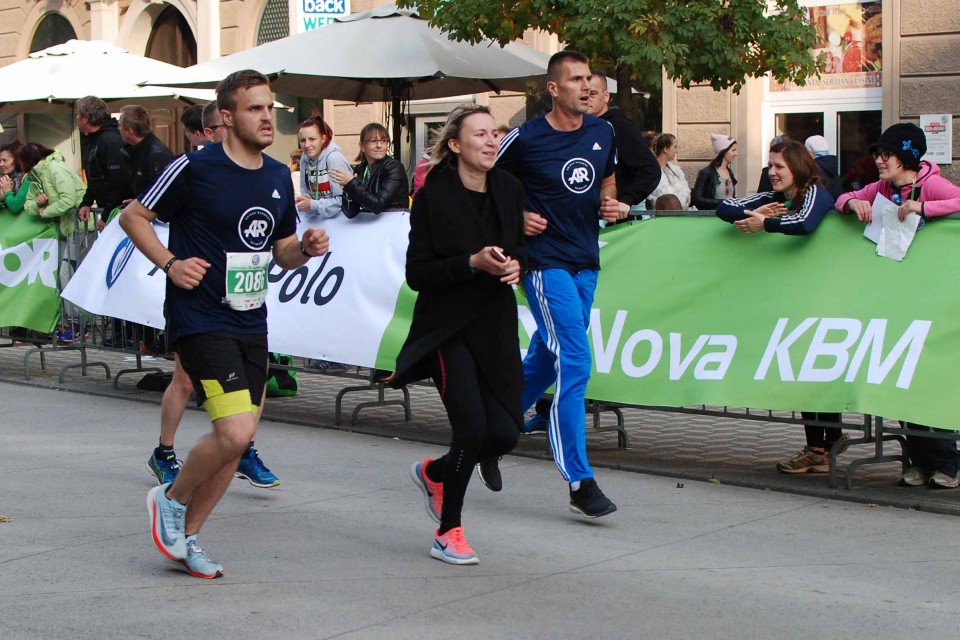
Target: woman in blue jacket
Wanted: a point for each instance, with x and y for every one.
(796, 206)
(797, 203)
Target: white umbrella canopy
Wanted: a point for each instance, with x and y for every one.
(381, 54)
(54, 78)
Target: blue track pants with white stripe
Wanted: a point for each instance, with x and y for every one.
(560, 354)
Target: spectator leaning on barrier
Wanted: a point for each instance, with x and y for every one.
(672, 179)
(916, 186)
(795, 206)
(294, 165)
(465, 254)
(108, 170)
(13, 184)
(55, 194)
(716, 182)
(320, 195)
(379, 182)
(638, 173)
(764, 184)
(192, 121)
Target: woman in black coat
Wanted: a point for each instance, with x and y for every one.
(465, 254)
(379, 182)
(716, 182)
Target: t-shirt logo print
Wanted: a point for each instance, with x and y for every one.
(578, 175)
(256, 227)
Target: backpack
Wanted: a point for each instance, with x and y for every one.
(281, 382)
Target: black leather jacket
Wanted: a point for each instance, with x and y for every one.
(385, 188)
(705, 188)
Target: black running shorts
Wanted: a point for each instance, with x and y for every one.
(228, 371)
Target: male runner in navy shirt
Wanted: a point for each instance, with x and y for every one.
(566, 161)
(228, 205)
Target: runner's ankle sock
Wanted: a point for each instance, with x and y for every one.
(446, 527)
(162, 451)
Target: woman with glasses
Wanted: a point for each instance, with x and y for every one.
(379, 182)
(915, 186)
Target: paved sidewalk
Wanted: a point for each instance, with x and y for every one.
(720, 450)
(341, 548)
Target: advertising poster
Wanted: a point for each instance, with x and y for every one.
(850, 45)
(312, 14)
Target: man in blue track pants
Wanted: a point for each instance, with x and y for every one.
(566, 161)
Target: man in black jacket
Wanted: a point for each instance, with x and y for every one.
(148, 155)
(108, 173)
(638, 172)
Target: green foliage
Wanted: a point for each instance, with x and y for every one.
(715, 42)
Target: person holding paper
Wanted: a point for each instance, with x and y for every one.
(916, 187)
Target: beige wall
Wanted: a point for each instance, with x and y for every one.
(924, 63)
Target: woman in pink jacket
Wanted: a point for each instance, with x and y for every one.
(916, 186)
(913, 184)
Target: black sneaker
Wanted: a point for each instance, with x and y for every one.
(489, 472)
(589, 501)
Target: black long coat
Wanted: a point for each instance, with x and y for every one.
(452, 300)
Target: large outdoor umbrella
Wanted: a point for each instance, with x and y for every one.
(54, 78)
(384, 54)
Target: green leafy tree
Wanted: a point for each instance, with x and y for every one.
(715, 42)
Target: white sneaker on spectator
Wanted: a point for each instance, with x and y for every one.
(940, 480)
(914, 477)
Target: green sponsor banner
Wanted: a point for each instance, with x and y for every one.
(28, 273)
(689, 311)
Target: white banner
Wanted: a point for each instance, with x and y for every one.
(335, 307)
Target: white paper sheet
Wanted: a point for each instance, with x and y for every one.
(896, 236)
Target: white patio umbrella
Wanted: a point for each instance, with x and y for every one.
(386, 54)
(54, 78)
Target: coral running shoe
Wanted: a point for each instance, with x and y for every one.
(432, 491)
(453, 548)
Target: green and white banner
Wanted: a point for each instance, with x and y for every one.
(28, 273)
(688, 311)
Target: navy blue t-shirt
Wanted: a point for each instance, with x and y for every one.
(215, 207)
(561, 172)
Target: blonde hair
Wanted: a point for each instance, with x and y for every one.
(440, 152)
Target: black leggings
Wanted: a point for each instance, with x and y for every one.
(482, 426)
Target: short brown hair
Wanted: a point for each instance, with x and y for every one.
(555, 64)
(229, 86)
(94, 110)
(136, 119)
(210, 116)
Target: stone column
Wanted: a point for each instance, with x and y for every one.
(208, 30)
(104, 20)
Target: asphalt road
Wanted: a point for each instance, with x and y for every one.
(341, 549)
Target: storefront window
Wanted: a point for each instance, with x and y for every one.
(800, 126)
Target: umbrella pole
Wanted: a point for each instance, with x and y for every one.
(397, 122)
